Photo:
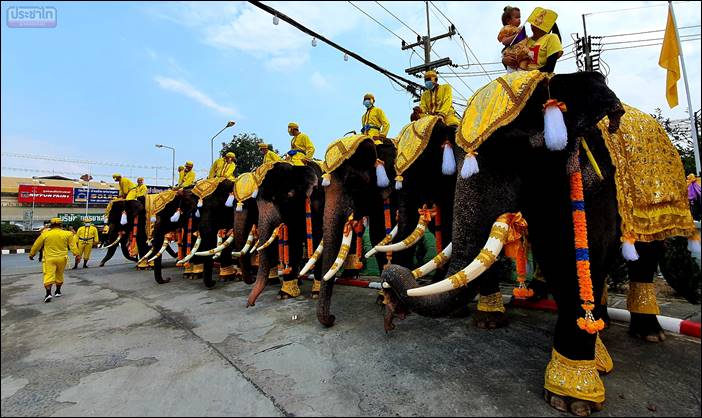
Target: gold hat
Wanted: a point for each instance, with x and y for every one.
(431, 74)
(180, 167)
(55, 221)
(369, 96)
(140, 178)
(263, 146)
(293, 125)
(188, 163)
(543, 19)
(230, 155)
(116, 175)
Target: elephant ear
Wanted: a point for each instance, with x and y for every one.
(588, 99)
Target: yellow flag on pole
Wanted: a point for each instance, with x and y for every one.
(669, 61)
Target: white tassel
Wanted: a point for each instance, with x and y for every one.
(470, 166)
(230, 201)
(239, 206)
(255, 193)
(123, 219)
(197, 213)
(199, 203)
(325, 181)
(398, 184)
(555, 132)
(175, 216)
(693, 246)
(152, 219)
(382, 177)
(629, 251)
(448, 165)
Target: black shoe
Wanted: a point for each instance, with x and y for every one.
(47, 299)
(57, 295)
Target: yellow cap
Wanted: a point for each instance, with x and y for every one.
(116, 175)
(188, 163)
(431, 74)
(293, 125)
(369, 96)
(55, 221)
(263, 146)
(180, 167)
(230, 155)
(543, 19)
(140, 178)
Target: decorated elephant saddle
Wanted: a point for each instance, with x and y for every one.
(412, 140)
(649, 178)
(341, 150)
(206, 187)
(247, 184)
(495, 105)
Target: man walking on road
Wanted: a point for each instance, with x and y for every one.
(56, 243)
(87, 239)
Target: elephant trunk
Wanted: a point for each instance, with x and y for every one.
(268, 219)
(337, 204)
(156, 243)
(112, 248)
(615, 117)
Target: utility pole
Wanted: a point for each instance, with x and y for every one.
(586, 46)
(425, 42)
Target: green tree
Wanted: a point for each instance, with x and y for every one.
(681, 136)
(245, 146)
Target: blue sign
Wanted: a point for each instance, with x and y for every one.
(97, 196)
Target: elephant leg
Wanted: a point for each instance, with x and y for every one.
(491, 309)
(226, 266)
(538, 285)
(290, 287)
(641, 300)
(207, 272)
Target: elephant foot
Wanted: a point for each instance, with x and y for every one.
(577, 407)
(101, 265)
(290, 289)
(393, 309)
(646, 327)
(490, 320)
(327, 321)
(248, 279)
(163, 281)
(540, 290)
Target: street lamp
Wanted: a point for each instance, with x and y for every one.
(173, 166)
(229, 125)
(35, 181)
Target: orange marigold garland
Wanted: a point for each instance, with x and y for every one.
(388, 227)
(582, 257)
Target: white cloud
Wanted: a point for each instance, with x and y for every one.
(319, 81)
(188, 90)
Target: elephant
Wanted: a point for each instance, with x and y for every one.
(281, 199)
(174, 215)
(354, 190)
(121, 228)
(518, 174)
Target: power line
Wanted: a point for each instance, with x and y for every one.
(33, 170)
(398, 19)
(633, 8)
(640, 46)
(650, 39)
(648, 31)
(373, 19)
(409, 86)
(70, 160)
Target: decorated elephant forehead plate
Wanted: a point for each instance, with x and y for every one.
(412, 140)
(159, 201)
(244, 186)
(341, 150)
(495, 105)
(649, 178)
(108, 209)
(206, 187)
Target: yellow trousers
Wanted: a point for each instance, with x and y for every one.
(85, 248)
(298, 159)
(53, 270)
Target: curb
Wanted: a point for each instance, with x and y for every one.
(678, 326)
(16, 251)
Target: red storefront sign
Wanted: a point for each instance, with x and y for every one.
(44, 194)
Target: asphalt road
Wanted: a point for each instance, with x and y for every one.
(117, 343)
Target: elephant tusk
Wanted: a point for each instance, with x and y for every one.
(311, 262)
(408, 242)
(388, 239)
(192, 252)
(341, 257)
(146, 256)
(158, 254)
(123, 218)
(274, 235)
(119, 237)
(217, 249)
(487, 256)
(386, 285)
(175, 216)
(219, 242)
(247, 246)
(442, 258)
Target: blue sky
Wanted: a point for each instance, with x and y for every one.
(113, 79)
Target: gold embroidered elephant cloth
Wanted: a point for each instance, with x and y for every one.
(649, 178)
(495, 105)
(341, 150)
(206, 187)
(412, 140)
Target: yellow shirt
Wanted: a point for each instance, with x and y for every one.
(140, 190)
(125, 186)
(271, 157)
(301, 142)
(439, 101)
(56, 243)
(543, 48)
(188, 179)
(181, 173)
(87, 235)
(374, 123)
(221, 168)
